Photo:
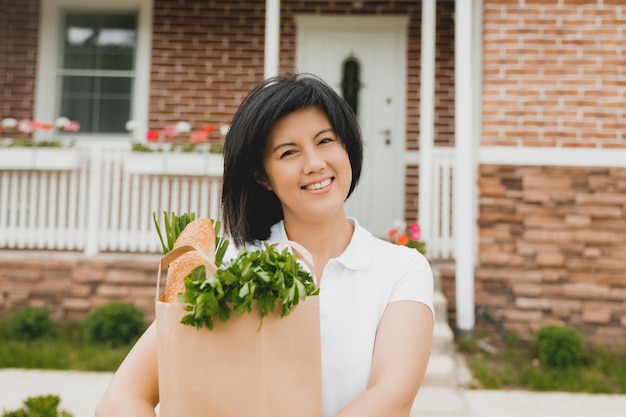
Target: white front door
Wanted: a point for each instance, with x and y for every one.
(378, 47)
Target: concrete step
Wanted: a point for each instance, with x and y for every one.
(440, 402)
(441, 371)
(440, 303)
(443, 340)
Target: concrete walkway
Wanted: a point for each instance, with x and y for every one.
(79, 392)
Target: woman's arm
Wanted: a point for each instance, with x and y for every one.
(134, 389)
(401, 352)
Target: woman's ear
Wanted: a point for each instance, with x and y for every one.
(261, 179)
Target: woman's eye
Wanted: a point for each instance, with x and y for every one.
(287, 153)
(326, 140)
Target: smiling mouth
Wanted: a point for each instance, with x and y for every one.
(318, 185)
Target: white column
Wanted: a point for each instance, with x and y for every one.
(427, 117)
(272, 37)
(464, 193)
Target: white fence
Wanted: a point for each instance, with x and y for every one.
(103, 199)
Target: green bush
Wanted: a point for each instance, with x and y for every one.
(115, 324)
(558, 347)
(40, 406)
(29, 323)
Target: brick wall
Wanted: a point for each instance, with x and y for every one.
(19, 20)
(554, 73)
(553, 248)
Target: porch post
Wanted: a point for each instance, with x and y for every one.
(464, 187)
(272, 37)
(427, 117)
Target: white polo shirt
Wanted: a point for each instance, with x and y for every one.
(355, 289)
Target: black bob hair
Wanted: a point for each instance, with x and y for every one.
(248, 209)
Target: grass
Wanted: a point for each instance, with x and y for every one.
(512, 364)
(65, 348)
(494, 363)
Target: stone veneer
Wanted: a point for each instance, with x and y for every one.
(70, 285)
(552, 248)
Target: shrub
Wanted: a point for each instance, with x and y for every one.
(115, 324)
(558, 347)
(40, 406)
(29, 323)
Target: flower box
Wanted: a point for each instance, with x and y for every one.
(174, 163)
(28, 158)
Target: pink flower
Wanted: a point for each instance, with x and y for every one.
(25, 126)
(73, 126)
(415, 231)
(199, 136)
(169, 131)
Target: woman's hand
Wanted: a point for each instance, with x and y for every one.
(401, 351)
(134, 389)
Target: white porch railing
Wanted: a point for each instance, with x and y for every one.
(440, 245)
(102, 199)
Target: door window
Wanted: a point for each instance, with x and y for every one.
(351, 83)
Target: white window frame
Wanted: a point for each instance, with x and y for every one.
(48, 63)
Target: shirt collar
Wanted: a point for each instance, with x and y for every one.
(357, 256)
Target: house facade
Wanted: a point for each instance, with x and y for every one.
(506, 118)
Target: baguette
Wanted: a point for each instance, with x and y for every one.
(200, 234)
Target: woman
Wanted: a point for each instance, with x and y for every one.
(292, 157)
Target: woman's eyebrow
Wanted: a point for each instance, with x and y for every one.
(286, 144)
(321, 132)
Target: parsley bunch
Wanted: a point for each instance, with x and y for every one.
(265, 276)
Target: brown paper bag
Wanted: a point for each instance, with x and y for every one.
(237, 370)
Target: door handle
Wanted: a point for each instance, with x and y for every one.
(387, 133)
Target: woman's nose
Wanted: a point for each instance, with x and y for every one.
(314, 161)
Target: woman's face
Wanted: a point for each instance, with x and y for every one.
(307, 166)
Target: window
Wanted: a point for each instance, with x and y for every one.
(97, 70)
(94, 66)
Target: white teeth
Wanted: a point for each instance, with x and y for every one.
(319, 185)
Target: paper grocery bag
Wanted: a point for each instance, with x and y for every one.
(237, 369)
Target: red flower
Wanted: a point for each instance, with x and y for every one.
(403, 239)
(152, 135)
(209, 128)
(40, 125)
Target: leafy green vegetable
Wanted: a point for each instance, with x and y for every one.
(265, 276)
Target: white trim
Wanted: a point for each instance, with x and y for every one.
(465, 161)
(427, 115)
(583, 157)
(346, 23)
(272, 37)
(49, 32)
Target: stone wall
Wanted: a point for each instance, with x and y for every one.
(70, 285)
(553, 248)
